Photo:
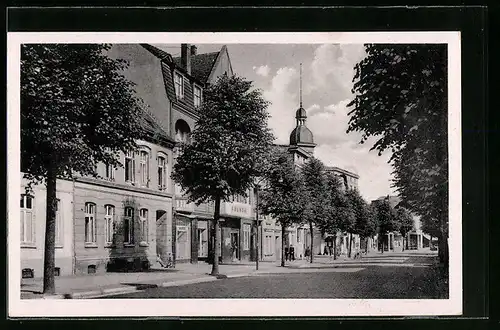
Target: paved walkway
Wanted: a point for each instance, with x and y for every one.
(91, 286)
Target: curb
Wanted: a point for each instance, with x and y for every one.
(139, 287)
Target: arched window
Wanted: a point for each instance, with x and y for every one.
(128, 226)
(27, 218)
(109, 223)
(143, 218)
(90, 225)
(182, 131)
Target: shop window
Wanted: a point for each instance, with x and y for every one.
(246, 236)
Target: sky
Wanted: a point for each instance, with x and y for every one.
(327, 72)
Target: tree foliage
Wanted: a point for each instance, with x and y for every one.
(405, 221)
(401, 100)
(385, 216)
(283, 194)
(77, 109)
(229, 141)
(337, 207)
(316, 201)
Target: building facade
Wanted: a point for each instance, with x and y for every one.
(32, 223)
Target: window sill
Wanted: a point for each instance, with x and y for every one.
(143, 244)
(128, 244)
(28, 246)
(59, 246)
(91, 245)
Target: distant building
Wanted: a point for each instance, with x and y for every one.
(301, 148)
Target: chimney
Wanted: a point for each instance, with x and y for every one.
(193, 50)
(186, 58)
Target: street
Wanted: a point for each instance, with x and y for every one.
(384, 281)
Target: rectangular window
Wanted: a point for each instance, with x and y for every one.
(130, 167)
(299, 235)
(197, 96)
(179, 85)
(109, 223)
(143, 217)
(144, 168)
(162, 173)
(90, 230)
(27, 225)
(59, 224)
(110, 172)
(128, 226)
(246, 236)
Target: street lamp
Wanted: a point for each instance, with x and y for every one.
(257, 187)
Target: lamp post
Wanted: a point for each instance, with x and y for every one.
(257, 243)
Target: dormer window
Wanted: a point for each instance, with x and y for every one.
(179, 85)
(197, 96)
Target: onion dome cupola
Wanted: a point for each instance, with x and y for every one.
(301, 135)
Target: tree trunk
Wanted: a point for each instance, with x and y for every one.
(215, 263)
(283, 232)
(50, 234)
(350, 244)
(366, 245)
(403, 243)
(443, 250)
(311, 247)
(335, 247)
(382, 237)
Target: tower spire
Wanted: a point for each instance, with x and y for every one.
(300, 85)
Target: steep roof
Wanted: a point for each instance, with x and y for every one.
(153, 130)
(157, 52)
(201, 65)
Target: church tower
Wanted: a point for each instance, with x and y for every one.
(301, 139)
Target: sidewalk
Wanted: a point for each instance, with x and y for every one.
(92, 286)
(98, 285)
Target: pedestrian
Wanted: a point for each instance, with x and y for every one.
(325, 250)
(330, 250)
(292, 253)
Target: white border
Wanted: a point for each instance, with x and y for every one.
(237, 307)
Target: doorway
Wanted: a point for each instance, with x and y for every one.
(277, 247)
(235, 245)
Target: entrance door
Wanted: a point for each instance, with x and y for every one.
(202, 243)
(235, 244)
(277, 247)
(183, 243)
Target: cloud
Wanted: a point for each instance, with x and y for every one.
(283, 103)
(262, 70)
(332, 70)
(337, 148)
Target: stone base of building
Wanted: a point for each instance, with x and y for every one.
(34, 267)
(118, 264)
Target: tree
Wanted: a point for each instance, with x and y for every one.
(362, 225)
(315, 184)
(337, 210)
(406, 223)
(401, 100)
(386, 219)
(283, 194)
(230, 138)
(77, 110)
